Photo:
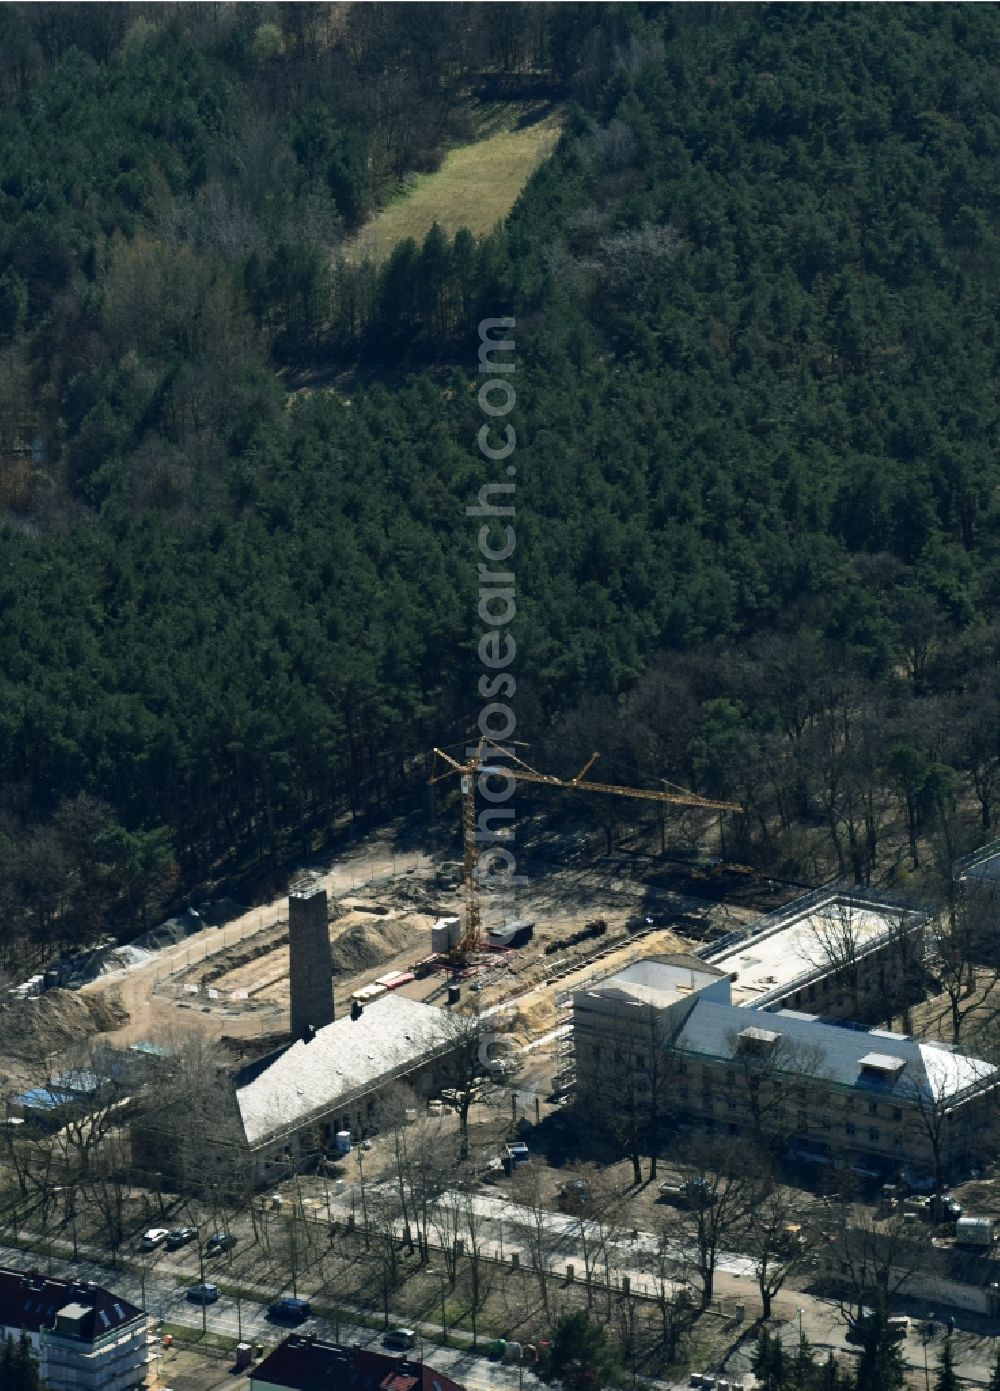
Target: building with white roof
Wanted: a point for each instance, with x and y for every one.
(834, 953)
(669, 1032)
(292, 1103)
(982, 867)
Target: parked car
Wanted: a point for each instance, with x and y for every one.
(289, 1310)
(181, 1236)
(910, 1182)
(155, 1237)
(400, 1338)
(898, 1326)
(692, 1192)
(205, 1293)
(807, 1156)
(219, 1241)
(920, 1205)
(865, 1172)
(573, 1195)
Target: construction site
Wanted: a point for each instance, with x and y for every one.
(413, 922)
(337, 1016)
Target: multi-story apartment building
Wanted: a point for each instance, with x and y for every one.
(85, 1338)
(665, 1034)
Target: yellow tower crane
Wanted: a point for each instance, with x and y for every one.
(445, 766)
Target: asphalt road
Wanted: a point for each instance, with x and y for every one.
(162, 1298)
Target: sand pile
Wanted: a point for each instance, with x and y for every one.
(169, 933)
(175, 930)
(110, 959)
(55, 1021)
(527, 1021)
(124, 959)
(364, 945)
(220, 911)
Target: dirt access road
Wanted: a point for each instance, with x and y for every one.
(152, 1015)
(233, 980)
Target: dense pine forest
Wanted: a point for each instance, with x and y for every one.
(758, 511)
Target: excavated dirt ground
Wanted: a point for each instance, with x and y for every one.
(54, 1023)
(382, 903)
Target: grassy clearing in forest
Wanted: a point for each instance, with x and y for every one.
(475, 187)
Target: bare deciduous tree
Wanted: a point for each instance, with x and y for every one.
(383, 1219)
(777, 1248)
(471, 1046)
(867, 1256)
(722, 1189)
(964, 965)
(765, 1075)
(669, 1264)
(538, 1236)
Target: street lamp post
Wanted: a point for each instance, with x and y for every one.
(926, 1340)
(444, 1322)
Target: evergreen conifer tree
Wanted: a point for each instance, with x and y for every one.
(947, 1378)
(18, 1371)
(880, 1366)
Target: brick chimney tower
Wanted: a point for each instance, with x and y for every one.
(309, 958)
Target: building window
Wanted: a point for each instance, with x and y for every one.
(873, 1134)
(640, 1061)
(730, 1077)
(851, 1128)
(849, 1103)
(826, 1123)
(897, 1143)
(731, 1105)
(707, 1102)
(873, 1108)
(897, 1113)
(684, 1093)
(733, 1129)
(812, 992)
(682, 1068)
